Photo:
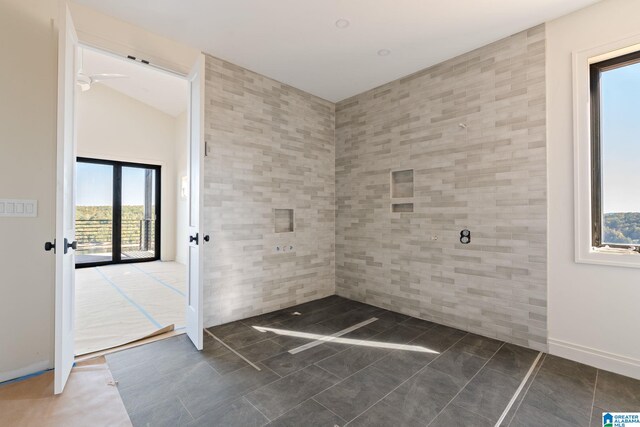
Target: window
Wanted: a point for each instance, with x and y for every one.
(615, 152)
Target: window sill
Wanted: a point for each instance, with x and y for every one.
(610, 256)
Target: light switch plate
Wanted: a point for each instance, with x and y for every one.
(18, 208)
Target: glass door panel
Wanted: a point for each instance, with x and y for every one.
(94, 213)
(139, 213)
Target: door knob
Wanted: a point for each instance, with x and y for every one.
(193, 239)
(206, 238)
(49, 246)
(73, 245)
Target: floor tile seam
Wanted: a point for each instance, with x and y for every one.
(408, 379)
(257, 409)
(465, 386)
(593, 400)
(339, 417)
(524, 395)
(185, 408)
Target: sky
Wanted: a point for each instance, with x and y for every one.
(95, 185)
(621, 139)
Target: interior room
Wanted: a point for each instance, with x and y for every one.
(320, 213)
(131, 158)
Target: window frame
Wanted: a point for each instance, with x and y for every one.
(595, 72)
(581, 59)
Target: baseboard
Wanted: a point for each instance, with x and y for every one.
(622, 365)
(27, 370)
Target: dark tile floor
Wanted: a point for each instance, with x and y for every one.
(465, 379)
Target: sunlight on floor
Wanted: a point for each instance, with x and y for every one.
(348, 341)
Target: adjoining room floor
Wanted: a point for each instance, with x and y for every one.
(117, 304)
(393, 371)
(89, 399)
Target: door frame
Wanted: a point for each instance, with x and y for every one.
(117, 210)
(60, 336)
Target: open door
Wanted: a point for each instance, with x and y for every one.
(65, 194)
(197, 239)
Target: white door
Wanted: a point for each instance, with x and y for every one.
(65, 195)
(197, 238)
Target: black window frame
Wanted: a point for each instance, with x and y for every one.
(595, 71)
(117, 212)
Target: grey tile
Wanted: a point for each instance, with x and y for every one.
(261, 350)
(529, 416)
(617, 393)
(559, 365)
(402, 364)
(164, 413)
(352, 360)
(478, 345)
(355, 394)
(398, 334)
(596, 417)
(418, 323)
(566, 398)
(383, 415)
(488, 394)
(150, 390)
(286, 363)
(283, 395)
(423, 396)
(513, 360)
(223, 331)
(453, 415)
(458, 364)
(208, 396)
(346, 320)
(387, 319)
(226, 362)
(309, 414)
(439, 338)
(236, 413)
(244, 336)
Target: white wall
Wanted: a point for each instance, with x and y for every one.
(594, 316)
(182, 203)
(28, 96)
(114, 126)
(27, 170)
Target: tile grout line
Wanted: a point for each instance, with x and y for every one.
(519, 390)
(235, 352)
(185, 408)
(418, 372)
(535, 375)
(465, 386)
(593, 400)
(254, 406)
(311, 398)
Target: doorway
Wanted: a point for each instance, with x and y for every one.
(118, 212)
(74, 77)
(131, 227)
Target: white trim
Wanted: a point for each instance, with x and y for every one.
(584, 252)
(619, 364)
(27, 370)
(519, 390)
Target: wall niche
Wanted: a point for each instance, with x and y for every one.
(402, 184)
(283, 220)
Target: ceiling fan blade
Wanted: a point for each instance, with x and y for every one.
(106, 76)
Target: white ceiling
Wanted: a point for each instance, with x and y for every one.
(297, 42)
(155, 88)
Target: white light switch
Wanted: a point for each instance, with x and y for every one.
(18, 208)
